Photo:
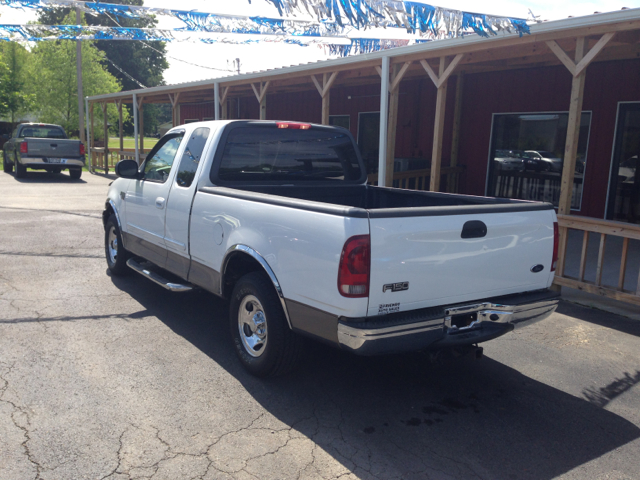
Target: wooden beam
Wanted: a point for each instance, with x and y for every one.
(317, 84)
(452, 183)
(91, 134)
(442, 78)
(120, 126)
(225, 92)
(398, 76)
(392, 125)
(597, 48)
(329, 83)
(141, 123)
(562, 56)
(599, 290)
(573, 133)
(105, 126)
(623, 263)
(438, 129)
(432, 75)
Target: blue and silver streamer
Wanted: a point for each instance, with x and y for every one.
(37, 33)
(424, 20)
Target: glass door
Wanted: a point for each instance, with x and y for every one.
(624, 187)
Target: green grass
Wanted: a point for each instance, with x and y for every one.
(114, 143)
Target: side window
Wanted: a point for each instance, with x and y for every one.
(160, 159)
(191, 157)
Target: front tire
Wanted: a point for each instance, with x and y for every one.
(263, 341)
(114, 249)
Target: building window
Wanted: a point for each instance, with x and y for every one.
(343, 121)
(526, 158)
(206, 119)
(191, 120)
(369, 139)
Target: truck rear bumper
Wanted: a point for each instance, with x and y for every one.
(46, 162)
(453, 325)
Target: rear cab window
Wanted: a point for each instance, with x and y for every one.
(42, 131)
(284, 153)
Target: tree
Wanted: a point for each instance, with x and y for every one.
(54, 83)
(144, 61)
(13, 78)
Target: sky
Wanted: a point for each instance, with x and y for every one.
(193, 61)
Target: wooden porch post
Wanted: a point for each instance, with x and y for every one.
(577, 69)
(440, 82)
(174, 103)
(397, 72)
(105, 127)
(92, 136)
(120, 132)
(223, 103)
(141, 121)
(261, 95)
(452, 178)
(324, 91)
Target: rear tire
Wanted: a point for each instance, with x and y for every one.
(263, 341)
(114, 249)
(6, 166)
(75, 173)
(21, 170)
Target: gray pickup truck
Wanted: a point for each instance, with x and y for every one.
(41, 146)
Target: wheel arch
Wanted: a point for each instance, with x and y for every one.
(240, 260)
(110, 209)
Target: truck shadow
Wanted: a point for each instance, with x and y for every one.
(402, 417)
(35, 176)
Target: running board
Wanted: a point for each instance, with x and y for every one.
(156, 278)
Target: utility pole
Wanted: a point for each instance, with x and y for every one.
(79, 75)
(236, 63)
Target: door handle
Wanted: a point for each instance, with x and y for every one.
(160, 202)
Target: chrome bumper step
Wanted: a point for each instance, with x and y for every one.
(157, 278)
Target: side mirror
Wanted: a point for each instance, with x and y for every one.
(127, 169)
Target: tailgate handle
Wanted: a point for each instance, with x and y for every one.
(473, 229)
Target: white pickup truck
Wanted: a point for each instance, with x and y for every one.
(277, 218)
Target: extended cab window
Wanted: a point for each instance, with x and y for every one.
(191, 157)
(159, 161)
(268, 153)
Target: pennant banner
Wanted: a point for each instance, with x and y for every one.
(37, 33)
(336, 46)
(332, 17)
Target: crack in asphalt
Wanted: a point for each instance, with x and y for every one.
(25, 431)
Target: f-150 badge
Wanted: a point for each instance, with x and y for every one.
(395, 287)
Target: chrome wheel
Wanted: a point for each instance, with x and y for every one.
(112, 245)
(252, 326)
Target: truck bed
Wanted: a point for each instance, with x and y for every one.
(374, 202)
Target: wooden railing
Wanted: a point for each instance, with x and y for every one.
(539, 187)
(113, 156)
(419, 179)
(605, 228)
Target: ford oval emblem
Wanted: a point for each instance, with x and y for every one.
(537, 268)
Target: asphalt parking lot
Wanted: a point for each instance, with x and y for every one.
(114, 378)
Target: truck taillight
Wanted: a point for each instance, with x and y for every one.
(82, 151)
(24, 148)
(294, 125)
(355, 263)
(556, 243)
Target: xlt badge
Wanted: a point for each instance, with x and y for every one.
(395, 287)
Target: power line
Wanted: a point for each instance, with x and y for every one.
(123, 72)
(169, 56)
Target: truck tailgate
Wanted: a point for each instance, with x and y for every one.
(54, 147)
(424, 261)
